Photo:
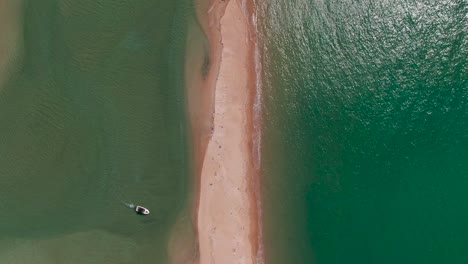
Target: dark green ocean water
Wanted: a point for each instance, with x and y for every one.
(92, 116)
(365, 142)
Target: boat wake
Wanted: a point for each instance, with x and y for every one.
(129, 205)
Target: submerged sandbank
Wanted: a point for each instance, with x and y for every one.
(11, 40)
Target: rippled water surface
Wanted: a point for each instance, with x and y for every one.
(91, 117)
(366, 131)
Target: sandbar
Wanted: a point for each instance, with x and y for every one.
(227, 218)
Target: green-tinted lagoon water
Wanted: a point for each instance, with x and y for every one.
(365, 141)
(92, 116)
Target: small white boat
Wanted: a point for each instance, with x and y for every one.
(141, 210)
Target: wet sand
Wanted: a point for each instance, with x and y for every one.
(227, 217)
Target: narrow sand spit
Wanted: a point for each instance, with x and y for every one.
(227, 219)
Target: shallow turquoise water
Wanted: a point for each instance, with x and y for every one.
(366, 131)
(93, 117)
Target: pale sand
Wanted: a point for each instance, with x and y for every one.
(227, 221)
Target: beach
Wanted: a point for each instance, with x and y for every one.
(227, 217)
